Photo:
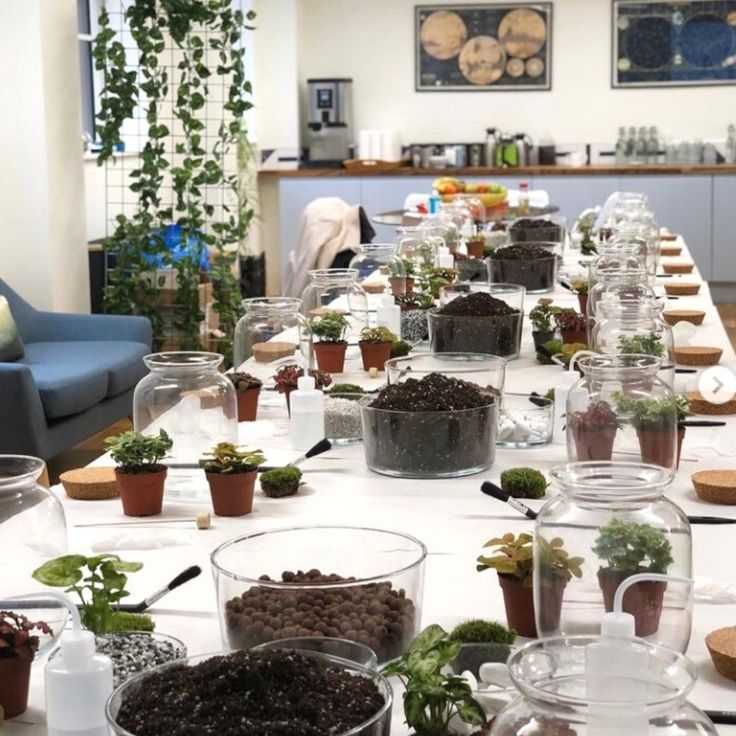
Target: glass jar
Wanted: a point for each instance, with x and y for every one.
(419, 246)
(532, 265)
(621, 409)
(564, 694)
(259, 572)
(615, 518)
(271, 329)
(379, 266)
(629, 249)
(187, 396)
(337, 290)
(635, 327)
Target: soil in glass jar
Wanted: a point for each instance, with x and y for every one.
(525, 264)
(530, 230)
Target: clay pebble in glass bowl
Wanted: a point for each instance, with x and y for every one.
(715, 486)
(700, 405)
(682, 288)
(697, 355)
(721, 644)
(693, 316)
(678, 267)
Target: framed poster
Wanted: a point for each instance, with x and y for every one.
(483, 47)
(677, 43)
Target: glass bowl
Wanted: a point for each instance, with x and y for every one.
(538, 275)
(376, 725)
(537, 229)
(478, 368)
(342, 418)
(373, 597)
(351, 651)
(525, 421)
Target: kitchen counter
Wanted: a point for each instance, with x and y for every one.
(289, 170)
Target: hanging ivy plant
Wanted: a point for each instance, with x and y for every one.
(183, 169)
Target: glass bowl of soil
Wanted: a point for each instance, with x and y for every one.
(302, 582)
(342, 418)
(531, 265)
(244, 692)
(352, 651)
(433, 427)
(487, 319)
(537, 229)
(487, 371)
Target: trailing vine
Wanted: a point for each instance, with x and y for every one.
(178, 160)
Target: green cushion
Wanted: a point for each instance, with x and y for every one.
(11, 346)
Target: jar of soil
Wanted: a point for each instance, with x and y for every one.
(622, 410)
(533, 266)
(299, 581)
(537, 230)
(562, 695)
(615, 516)
(487, 319)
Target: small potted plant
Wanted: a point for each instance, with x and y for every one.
(514, 562)
(649, 344)
(573, 327)
(655, 421)
(287, 377)
(18, 647)
(375, 346)
(594, 431)
(139, 474)
(541, 316)
(626, 548)
(231, 475)
(476, 247)
(330, 328)
(247, 390)
(581, 288)
(436, 277)
(401, 280)
(683, 412)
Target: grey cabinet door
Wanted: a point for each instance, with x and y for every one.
(573, 194)
(724, 227)
(684, 205)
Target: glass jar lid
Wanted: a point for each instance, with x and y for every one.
(182, 361)
(333, 276)
(17, 471)
(624, 367)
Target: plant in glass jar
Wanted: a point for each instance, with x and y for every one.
(18, 647)
(330, 328)
(375, 346)
(593, 431)
(139, 474)
(572, 325)
(581, 287)
(655, 421)
(231, 474)
(541, 317)
(650, 344)
(287, 378)
(434, 278)
(247, 390)
(476, 246)
(626, 548)
(401, 276)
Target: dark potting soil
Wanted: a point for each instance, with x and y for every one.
(531, 230)
(528, 265)
(270, 693)
(373, 614)
(477, 304)
(433, 392)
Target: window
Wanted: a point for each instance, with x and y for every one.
(87, 11)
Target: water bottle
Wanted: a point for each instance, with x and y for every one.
(307, 414)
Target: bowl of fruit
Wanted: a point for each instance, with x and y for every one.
(489, 193)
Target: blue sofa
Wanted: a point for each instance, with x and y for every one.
(76, 378)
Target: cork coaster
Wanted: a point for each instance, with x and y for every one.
(678, 267)
(265, 352)
(373, 288)
(697, 355)
(715, 486)
(682, 288)
(670, 250)
(693, 316)
(721, 644)
(668, 236)
(90, 484)
(700, 405)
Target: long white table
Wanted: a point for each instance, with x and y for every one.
(451, 517)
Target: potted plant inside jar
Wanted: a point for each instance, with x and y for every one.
(375, 346)
(247, 391)
(18, 647)
(476, 247)
(541, 316)
(644, 344)
(139, 474)
(683, 412)
(594, 431)
(401, 279)
(573, 327)
(231, 474)
(655, 421)
(514, 562)
(436, 277)
(581, 288)
(287, 378)
(330, 328)
(626, 548)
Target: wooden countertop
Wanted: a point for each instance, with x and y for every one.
(596, 170)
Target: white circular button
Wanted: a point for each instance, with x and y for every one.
(717, 384)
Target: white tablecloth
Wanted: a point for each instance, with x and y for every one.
(451, 517)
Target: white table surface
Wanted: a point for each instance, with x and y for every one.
(451, 517)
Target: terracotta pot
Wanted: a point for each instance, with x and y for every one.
(232, 493)
(476, 248)
(583, 303)
(680, 438)
(552, 592)
(331, 356)
(594, 445)
(15, 674)
(642, 600)
(658, 447)
(519, 604)
(142, 494)
(248, 404)
(409, 284)
(570, 336)
(375, 354)
(398, 285)
(540, 338)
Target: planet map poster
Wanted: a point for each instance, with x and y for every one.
(483, 47)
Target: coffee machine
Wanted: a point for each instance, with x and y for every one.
(327, 134)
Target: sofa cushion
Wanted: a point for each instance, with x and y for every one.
(74, 376)
(11, 346)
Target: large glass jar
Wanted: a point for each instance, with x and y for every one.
(186, 395)
(379, 266)
(271, 329)
(419, 247)
(622, 410)
(615, 518)
(635, 327)
(642, 692)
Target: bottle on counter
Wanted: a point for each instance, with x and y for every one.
(731, 145)
(631, 146)
(621, 147)
(523, 206)
(307, 426)
(642, 149)
(653, 146)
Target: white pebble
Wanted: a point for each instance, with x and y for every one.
(469, 677)
(495, 673)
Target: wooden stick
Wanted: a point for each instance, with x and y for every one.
(138, 523)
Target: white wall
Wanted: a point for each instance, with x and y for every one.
(372, 41)
(43, 248)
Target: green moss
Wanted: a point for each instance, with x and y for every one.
(400, 348)
(524, 482)
(281, 482)
(478, 631)
(345, 388)
(125, 621)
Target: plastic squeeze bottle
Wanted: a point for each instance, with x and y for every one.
(307, 414)
(388, 314)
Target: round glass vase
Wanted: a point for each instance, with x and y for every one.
(379, 269)
(537, 275)
(561, 696)
(419, 246)
(615, 519)
(186, 395)
(271, 330)
(622, 410)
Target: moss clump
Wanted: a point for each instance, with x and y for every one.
(281, 482)
(478, 631)
(345, 388)
(399, 349)
(126, 621)
(524, 483)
